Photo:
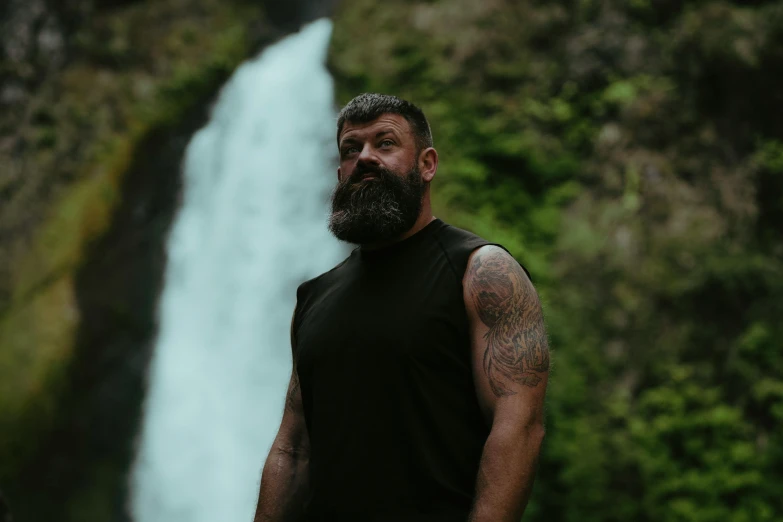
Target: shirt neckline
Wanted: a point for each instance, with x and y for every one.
(386, 251)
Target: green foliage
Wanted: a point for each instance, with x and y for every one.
(629, 154)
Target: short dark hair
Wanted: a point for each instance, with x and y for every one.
(370, 106)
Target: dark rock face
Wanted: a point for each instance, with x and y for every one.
(33, 37)
(32, 43)
(290, 15)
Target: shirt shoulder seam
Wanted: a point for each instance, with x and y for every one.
(446, 253)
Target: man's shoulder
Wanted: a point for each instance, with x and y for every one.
(459, 244)
(460, 235)
(464, 244)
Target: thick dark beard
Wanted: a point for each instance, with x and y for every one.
(377, 210)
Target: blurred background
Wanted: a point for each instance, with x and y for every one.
(629, 153)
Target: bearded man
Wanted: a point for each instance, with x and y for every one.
(420, 362)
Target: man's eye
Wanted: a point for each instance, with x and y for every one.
(349, 150)
(387, 143)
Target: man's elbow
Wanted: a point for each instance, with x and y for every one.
(297, 452)
(531, 430)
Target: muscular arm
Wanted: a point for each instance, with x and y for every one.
(284, 481)
(511, 368)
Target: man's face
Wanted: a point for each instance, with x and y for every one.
(379, 191)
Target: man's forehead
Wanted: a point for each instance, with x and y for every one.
(393, 122)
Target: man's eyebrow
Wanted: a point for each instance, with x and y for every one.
(349, 139)
(352, 139)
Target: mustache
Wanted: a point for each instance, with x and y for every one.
(362, 170)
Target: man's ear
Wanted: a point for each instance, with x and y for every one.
(428, 163)
(339, 171)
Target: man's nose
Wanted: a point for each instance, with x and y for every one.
(367, 155)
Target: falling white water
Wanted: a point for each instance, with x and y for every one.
(252, 226)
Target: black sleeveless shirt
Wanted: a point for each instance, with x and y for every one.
(382, 351)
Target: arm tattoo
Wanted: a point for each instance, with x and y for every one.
(517, 347)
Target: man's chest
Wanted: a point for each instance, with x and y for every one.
(366, 321)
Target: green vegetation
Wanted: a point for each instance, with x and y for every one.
(629, 154)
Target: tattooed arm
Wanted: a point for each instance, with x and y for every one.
(284, 482)
(511, 367)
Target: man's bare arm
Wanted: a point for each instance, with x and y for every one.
(511, 368)
(284, 481)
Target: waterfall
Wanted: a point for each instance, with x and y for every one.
(252, 226)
